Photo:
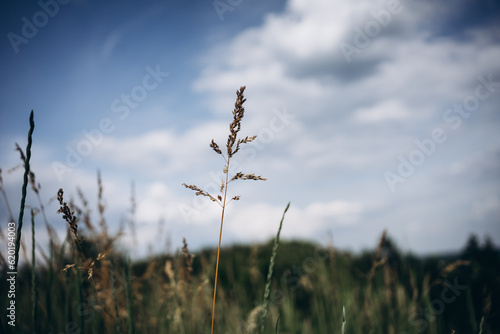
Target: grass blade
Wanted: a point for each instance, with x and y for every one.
(130, 302)
(25, 186)
(481, 325)
(33, 274)
(343, 319)
(115, 298)
(267, 290)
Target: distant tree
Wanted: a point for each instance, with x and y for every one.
(472, 248)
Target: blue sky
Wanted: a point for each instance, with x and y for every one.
(370, 115)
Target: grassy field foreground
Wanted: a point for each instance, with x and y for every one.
(382, 291)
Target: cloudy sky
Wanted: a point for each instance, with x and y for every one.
(369, 115)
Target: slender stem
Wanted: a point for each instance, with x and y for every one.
(343, 319)
(25, 186)
(220, 238)
(33, 273)
(267, 289)
(128, 295)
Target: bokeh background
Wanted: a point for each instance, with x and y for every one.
(370, 115)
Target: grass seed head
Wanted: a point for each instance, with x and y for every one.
(69, 216)
(215, 147)
(235, 126)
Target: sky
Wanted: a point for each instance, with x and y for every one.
(369, 115)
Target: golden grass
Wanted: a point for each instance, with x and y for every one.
(232, 147)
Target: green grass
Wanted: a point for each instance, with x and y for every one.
(267, 289)
(143, 298)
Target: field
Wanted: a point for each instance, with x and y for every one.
(86, 283)
(383, 292)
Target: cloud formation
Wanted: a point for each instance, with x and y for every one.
(339, 94)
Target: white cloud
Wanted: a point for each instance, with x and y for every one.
(161, 152)
(351, 122)
(355, 119)
(387, 110)
(342, 211)
(260, 222)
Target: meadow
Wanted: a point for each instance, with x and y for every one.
(86, 283)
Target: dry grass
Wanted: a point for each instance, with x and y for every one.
(232, 147)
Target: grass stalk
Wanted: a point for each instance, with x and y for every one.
(79, 293)
(218, 249)
(267, 289)
(48, 290)
(481, 324)
(130, 302)
(343, 319)
(33, 273)
(24, 188)
(233, 146)
(115, 298)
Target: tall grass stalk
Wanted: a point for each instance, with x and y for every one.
(33, 274)
(115, 298)
(267, 289)
(218, 251)
(48, 287)
(130, 302)
(481, 325)
(79, 293)
(233, 146)
(343, 319)
(25, 186)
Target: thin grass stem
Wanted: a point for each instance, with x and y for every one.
(267, 289)
(33, 273)
(343, 319)
(233, 146)
(481, 324)
(218, 247)
(130, 302)
(115, 298)
(25, 186)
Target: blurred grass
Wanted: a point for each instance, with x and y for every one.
(156, 296)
